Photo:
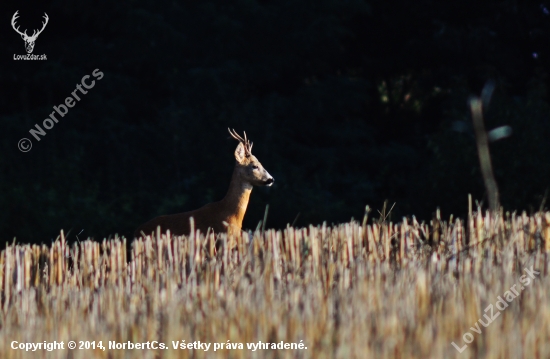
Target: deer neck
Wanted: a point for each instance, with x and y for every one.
(236, 199)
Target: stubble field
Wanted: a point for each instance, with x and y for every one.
(369, 289)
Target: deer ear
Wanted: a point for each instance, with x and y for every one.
(240, 153)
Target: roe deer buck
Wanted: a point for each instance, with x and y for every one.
(227, 214)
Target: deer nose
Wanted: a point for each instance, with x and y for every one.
(270, 181)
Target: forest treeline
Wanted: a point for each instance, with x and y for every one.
(348, 103)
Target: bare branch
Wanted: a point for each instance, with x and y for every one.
(484, 155)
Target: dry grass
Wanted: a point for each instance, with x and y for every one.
(381, 290)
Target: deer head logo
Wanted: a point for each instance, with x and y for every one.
(29, 40)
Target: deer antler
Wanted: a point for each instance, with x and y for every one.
(15, 16)
(35, 33)
(247, 144)
(43, 26)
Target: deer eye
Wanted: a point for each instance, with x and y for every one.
(254, 167)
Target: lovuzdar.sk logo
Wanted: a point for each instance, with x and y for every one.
(29, 40)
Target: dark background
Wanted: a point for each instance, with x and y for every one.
(348, 103)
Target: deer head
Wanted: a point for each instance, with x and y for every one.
(248, 166)
(29, 40)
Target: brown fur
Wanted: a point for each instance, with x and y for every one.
(231, 209)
